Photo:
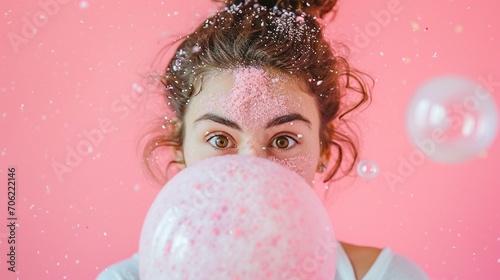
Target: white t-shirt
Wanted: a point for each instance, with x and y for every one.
(387, 266)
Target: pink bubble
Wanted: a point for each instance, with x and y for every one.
(260, 221)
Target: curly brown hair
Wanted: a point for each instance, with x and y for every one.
(282, 35)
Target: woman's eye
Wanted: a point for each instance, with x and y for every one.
(283, 142)
(220, 141)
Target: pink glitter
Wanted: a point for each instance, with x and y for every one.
(255, 98)
(299, 164)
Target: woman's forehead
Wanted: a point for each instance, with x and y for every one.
(252, 81)
(252, 96)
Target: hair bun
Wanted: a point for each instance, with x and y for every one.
(317, 8)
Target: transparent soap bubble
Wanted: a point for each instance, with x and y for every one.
(452, 119)
(367, 169)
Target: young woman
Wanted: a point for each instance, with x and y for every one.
(259, 78)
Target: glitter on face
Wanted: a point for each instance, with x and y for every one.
(299, 164)
(255, 98)
(251, 97)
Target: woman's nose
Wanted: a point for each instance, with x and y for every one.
(252, 148)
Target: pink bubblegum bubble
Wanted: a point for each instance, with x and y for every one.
(237, 217)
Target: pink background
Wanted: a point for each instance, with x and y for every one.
(76, 73)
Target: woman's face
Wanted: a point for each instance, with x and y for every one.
(251, 111)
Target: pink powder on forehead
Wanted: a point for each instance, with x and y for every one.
(256, 97)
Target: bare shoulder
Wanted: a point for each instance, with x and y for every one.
(361, 257)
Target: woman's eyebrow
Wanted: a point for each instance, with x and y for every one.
(218, 119)
(288, 118)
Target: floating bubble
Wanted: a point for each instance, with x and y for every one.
(84, 4)
(367, 169)
(452, 119)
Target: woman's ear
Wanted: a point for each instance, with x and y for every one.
(179, 158)
(178, 153)
(324, 157)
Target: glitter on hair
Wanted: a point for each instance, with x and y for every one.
(284, 37)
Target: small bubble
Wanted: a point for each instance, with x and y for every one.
(77, 261)
(367, 169)
(406, 59)
(105, 234)
(136, 187)
(84, 4)
(44, 117)
(435, 55)
(139, 89)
